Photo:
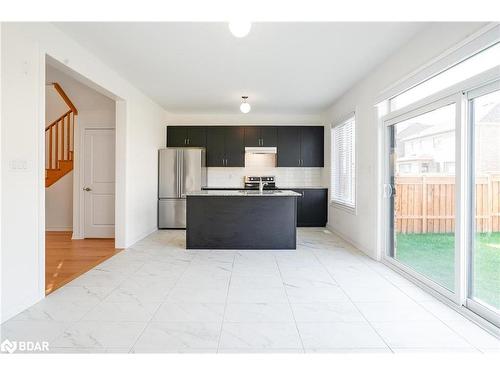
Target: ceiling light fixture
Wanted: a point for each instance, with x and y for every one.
(240, 29)
(244, 106)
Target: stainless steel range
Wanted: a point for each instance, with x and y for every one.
(253, 182)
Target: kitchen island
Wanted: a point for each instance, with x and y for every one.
(245, 219)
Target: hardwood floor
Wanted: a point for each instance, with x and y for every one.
(66, 259)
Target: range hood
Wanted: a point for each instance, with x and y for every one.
(261, 150)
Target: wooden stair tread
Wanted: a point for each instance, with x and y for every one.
(54, 175)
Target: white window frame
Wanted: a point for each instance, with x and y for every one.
(346, 206)
(390, 120)
(475, 43)
(471, 303)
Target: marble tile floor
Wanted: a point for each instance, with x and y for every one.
(323, 297)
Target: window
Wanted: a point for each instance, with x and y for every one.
(480, 62)
(343, 163)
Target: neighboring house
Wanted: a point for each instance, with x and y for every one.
(429, 148)
(488, 136)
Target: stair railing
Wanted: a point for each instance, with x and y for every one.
(59, 135)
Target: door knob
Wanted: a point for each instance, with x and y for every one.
(87, 189)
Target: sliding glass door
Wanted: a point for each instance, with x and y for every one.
(421, 193)
(443, 196)
(484, 244)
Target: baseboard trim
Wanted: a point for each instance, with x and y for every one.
(26, 303)
(140, 237)
(350, 241)
(59, 229)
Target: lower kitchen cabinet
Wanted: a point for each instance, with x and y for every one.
(312, 207)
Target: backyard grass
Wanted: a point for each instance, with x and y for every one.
(432, 254)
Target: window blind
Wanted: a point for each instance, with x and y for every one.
(343, 163)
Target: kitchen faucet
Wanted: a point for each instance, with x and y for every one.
(261, 185)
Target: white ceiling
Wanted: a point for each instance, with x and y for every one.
(296, 68)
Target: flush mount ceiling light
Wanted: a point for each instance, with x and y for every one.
(240, 29)
(244, 106)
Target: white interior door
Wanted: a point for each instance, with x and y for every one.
(99, 183)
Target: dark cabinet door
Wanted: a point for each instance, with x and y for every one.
(299, 207)
(215, 146)
(314, 208)
(176, 136)
(289, 146)
(235, 146)
(311, 146)
(269, 136)
(252, 136)
(196, 136)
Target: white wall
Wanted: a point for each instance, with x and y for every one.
(140, 132)
(361, 228)
(59, 205)
(54, 105)
(243, 119)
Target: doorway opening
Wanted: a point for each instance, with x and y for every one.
(79, 177)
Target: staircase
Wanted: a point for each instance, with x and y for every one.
(59, 142)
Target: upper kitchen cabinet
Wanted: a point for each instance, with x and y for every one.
(261, 136)
(289, 146)
(300, 146)
(225, 146)
(312, 146)
(176, 136)
(235, 146)
(186, 136)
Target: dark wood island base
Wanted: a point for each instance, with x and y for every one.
(241, 221)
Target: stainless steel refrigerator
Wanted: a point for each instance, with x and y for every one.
(180, 170)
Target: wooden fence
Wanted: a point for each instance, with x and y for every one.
(426, 204)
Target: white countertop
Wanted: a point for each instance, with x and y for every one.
(243, 193)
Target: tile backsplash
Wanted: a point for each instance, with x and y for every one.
(285, 177)
(265, 165)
